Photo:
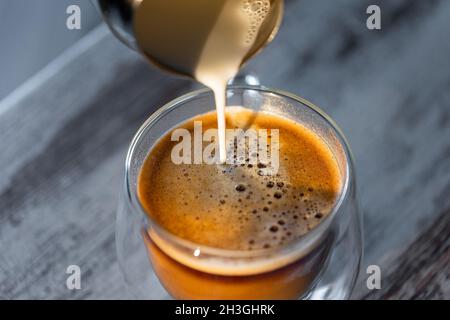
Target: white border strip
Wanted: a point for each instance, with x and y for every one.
(51, 69)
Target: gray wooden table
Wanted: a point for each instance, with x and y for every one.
(64, 135)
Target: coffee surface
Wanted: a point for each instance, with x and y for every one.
(234, 206)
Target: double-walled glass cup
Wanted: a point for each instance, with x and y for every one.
(327, 258)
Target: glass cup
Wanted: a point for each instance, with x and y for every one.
(327, 258)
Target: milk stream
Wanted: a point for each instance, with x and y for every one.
(207, 40)
(225, 49)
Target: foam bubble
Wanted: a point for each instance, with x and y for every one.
(256, 11)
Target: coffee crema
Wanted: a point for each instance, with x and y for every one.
(234, 207)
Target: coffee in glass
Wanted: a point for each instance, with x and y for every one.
(240, 207)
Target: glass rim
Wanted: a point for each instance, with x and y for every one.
(299, 242)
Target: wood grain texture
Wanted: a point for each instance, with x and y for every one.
(423, 270)
(64, 137)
